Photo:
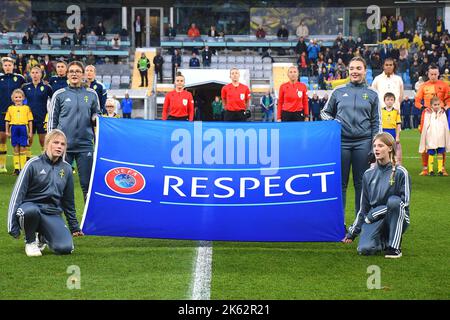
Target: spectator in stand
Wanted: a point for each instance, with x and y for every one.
(302, 30)
(194, 62)
(314, 106)
(383, 27)
(193, 32)
(171, 32)
(260, 33)
(49, 69)
(446, 75)
(313, 50)
(323, 102)
(403, 66)
(138, 27)
(176, 63)
(385, 52)
(283, 33)
(420, 25)
(27, 38)
(359, 43)
(33, 29)
(206, 57)
(78, 38)
(391, 27)
(115, 42)
(158, 62)
(322, 78)
(91, 39)
(439, 26)
(83, 30)
(213, 32)
(375, 63)
(90, 59)
(32, 62)
(350, 44)
(100, 31)
(301, 46)
(127, 106)
(302, 65)
(46, 41)
(124, 34)
(330, 67)
(400, 26)
(406, 109)
(341, 68)
(65, 40)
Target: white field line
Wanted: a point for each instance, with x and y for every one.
(201, 282)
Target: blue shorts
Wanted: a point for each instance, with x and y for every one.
(19, 136)
(391, 131)
(432, 152)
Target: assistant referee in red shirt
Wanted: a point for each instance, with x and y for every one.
(293, 99)
(179, 103)
(235, 98)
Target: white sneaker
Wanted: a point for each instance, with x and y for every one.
(40, 241)
(32, 250)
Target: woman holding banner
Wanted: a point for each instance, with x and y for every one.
(384, 213)
(179, 103)
(293, 99)
(356, 107)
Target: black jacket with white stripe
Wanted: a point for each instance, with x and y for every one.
(48, 185)
(376, 190)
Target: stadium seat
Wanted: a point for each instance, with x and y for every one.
(115, 82)
(267, 66)
(249, 59)
(231, 59)
(240, 59)
(265, 60)
(258, 66)
(258, 75)
(305, 80)
(249, 66)
(267, 74)
(222, 60)
(185, 59)
(214, 59)
(240, 66)
(98, 78)
(167, 58)
(107, 81)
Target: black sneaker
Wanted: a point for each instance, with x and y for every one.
(16, 172)
(392, 253)
(431, 173)
(440, 174)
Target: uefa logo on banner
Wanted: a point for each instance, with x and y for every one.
(125, 180)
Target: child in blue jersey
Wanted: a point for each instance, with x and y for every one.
(19, 126)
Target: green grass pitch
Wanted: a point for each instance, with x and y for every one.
(120, 268)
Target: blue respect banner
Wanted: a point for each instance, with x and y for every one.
(216, 181)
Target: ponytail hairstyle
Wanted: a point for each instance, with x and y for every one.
(388, 140)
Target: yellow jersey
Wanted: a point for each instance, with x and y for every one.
(19, 115)
(390, 119)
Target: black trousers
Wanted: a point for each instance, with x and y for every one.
(287, 116)
(138, 39)
(234, 116)
(144, 78)
(159, 73)
(32, 219)
(185, 118)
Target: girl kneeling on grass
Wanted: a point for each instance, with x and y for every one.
(384, 213)
(435, 137)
